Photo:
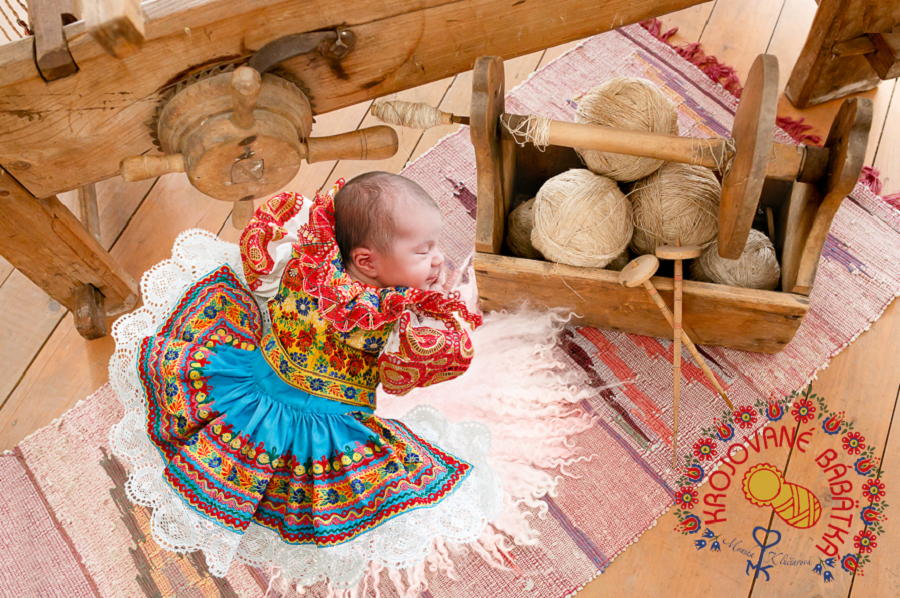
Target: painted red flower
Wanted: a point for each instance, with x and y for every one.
(705, 449)
(745, 417)
(355, 366)
(854, 442)
(687, 497)
(287, 339)
(803, 410)
(305, 340)
(337, 360)
(873, 490)
(865, 541)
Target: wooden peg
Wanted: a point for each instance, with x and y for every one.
(676, 348)
(117, 25)
(241, 213)
(139, 168)
(51, 49)
(246, 84)
(371, 143)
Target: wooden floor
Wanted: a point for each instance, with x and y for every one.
(46, 367)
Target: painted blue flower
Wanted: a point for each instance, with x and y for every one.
(387, 434)
(191, 441)
(215, 461)
(332, 497)
(828, 577)
(284, 367)
(171, 354)
(695, 473)
(260, 485)
(372, 345)
(187, 336)
(700, 544)
(316, 384)
(357, 487)
(830, 562)
(232, 475)
(411, 458)
(171, 390)
(716, 547)
(210, 311)
(298, 495)
(350, 392)
(850, 563)
(709, 533)
(869, 515)
(724, 432)
(818, 569)
(278, 297)
(303, 305)
(690, 524)
(391, 467)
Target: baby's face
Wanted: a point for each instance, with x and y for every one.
(415, 259)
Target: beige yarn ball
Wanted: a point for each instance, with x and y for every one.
(757, 268)
(518, 231)
(626, 103)
(581, 219)
(678, 200)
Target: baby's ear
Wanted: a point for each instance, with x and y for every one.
(364, 261)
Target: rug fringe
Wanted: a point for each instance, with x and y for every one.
(727, 77)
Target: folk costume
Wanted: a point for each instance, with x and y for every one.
(252, 432)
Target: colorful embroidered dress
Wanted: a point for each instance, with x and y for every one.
(277, 430)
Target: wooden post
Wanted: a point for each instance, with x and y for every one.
(51, 49)
(833, 63)
(117, 25)
(48, 244)
(90, 310)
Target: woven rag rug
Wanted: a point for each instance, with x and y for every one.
(68, 529)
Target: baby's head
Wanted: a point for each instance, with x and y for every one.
(388, 229)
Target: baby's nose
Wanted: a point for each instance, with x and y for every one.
(437, 260)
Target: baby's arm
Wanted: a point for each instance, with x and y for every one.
(425, 351)
(266, 243)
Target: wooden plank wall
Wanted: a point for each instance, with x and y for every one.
(46, 367)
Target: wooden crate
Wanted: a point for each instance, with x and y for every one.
(796, 214)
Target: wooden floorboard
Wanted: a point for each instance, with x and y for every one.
(46, 367)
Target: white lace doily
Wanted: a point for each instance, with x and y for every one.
(399, 543)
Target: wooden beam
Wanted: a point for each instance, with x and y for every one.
(48, 244)
(56, 139)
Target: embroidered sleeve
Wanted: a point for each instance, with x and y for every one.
(266, 243)
(425, 356)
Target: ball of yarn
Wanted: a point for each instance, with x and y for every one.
(757, 268)
(626, 103)
(518, 231)
(676, 201)
(581, 219)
